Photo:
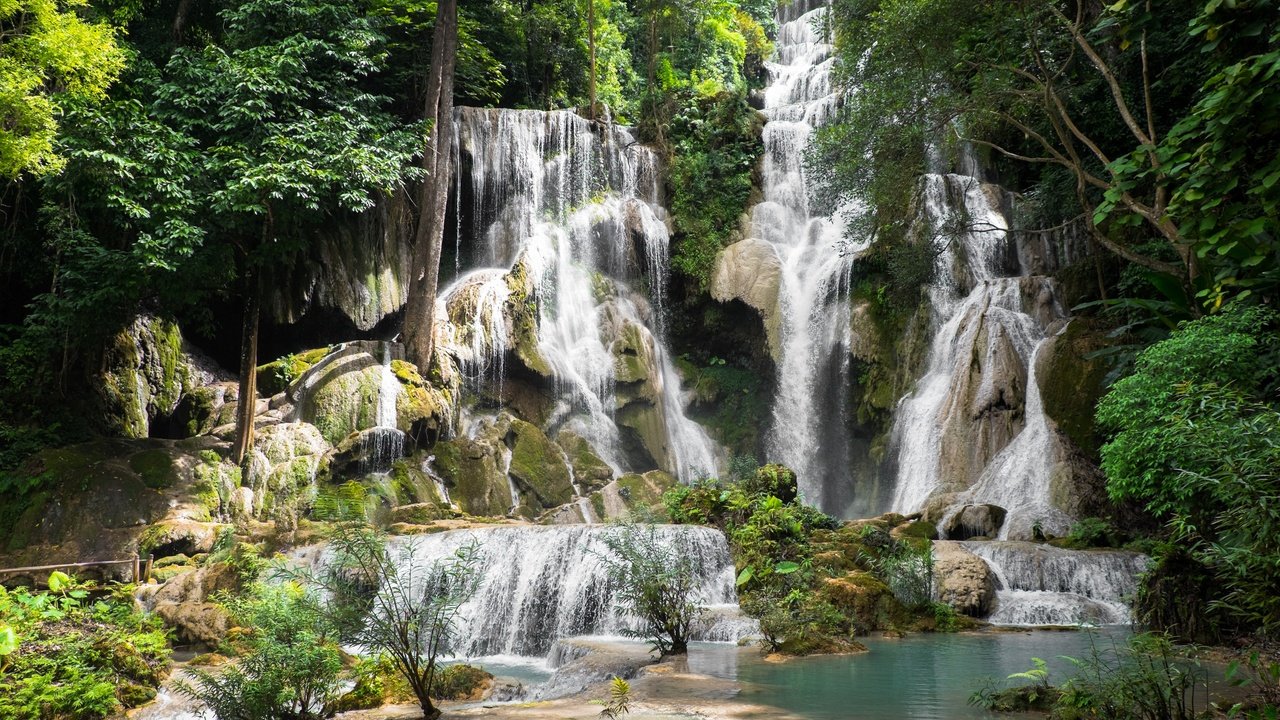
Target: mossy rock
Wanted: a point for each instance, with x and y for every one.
(155, 467)
(275, 376)
(537, 466)
(1071, 383)
(589, 470)
(865, 599)
(522, 311)
(471, 471)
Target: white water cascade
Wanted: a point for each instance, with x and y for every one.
(385, 441)
(540, 584)
(808, 429)
(564, 214)
(1044, 585)
(975, 424)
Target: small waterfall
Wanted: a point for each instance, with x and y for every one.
(1044, 585)
(384, 441)
(569, 211)
(809, 413)
(539, 584)
(975, 424)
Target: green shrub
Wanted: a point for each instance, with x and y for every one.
(290, 667)
(73, 658)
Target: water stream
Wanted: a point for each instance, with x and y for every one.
(808, 431)
(568, 212)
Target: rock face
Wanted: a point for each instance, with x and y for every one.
(749, 270)
(963, 580)
(280, 482)
(973, 521)
(186, 603)
(110, 499)
(346, 391)
(146, 370)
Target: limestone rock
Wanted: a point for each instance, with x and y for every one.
(589, 471)
(145, 371)
(186, 603)
(538, 468)
(749, 270)
(110, 499)
(963, 580)
(975, 521)
(282, 470)
(1071, 383)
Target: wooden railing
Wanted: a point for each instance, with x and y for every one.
(141, 571)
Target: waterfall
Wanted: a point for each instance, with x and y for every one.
(565, 214)
(1044, 585)
(385, 441)
(975, 424)
(809, 414)
(539, 584)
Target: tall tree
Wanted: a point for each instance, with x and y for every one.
(420, 310)
(287, 131)
(47, 55)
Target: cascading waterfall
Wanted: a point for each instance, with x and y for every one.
(574, 206)
(1044, 585)
(539, 584)
(386, 441)
(809, 429)
(958, 431)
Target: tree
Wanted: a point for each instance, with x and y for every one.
(1065, 93)
(383, 598)
(420, 309)
(48, 56)
(286, 131)
(291, 666)
(1194, 436)
(655, 582)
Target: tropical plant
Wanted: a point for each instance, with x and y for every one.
(655, 582)
(381, 597)
(290, 664)
(619, 702)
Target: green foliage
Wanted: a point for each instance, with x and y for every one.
(379, 596)
(907, 568)
(1149, 445)
(1145, 680)
(1260, 676)
(51, 57)
(65, 655)
(1038, 695)
(656, 583)
(715, 145)
(619, 702)
(290, 667)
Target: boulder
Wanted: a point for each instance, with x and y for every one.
(538, 468)
(144, 372)
(282, 470)
(963, 580)
(186, 602)
(589, 471)
(110, 499)
(750, 270)
(972, 521)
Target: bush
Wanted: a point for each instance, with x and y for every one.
(66, 657)
(1195, 436)
(656, 583)
(290, 664)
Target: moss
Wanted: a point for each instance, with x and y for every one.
(597, 504)
(920, 529)
(461, 682)
(1071, 383)
(538, 466)
(275, 376)
(155, 467)
(406, 372)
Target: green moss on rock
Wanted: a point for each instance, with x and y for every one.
(537, 466)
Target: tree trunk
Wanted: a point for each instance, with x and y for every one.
(246, 406)
(419, 313)
(591, 46)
